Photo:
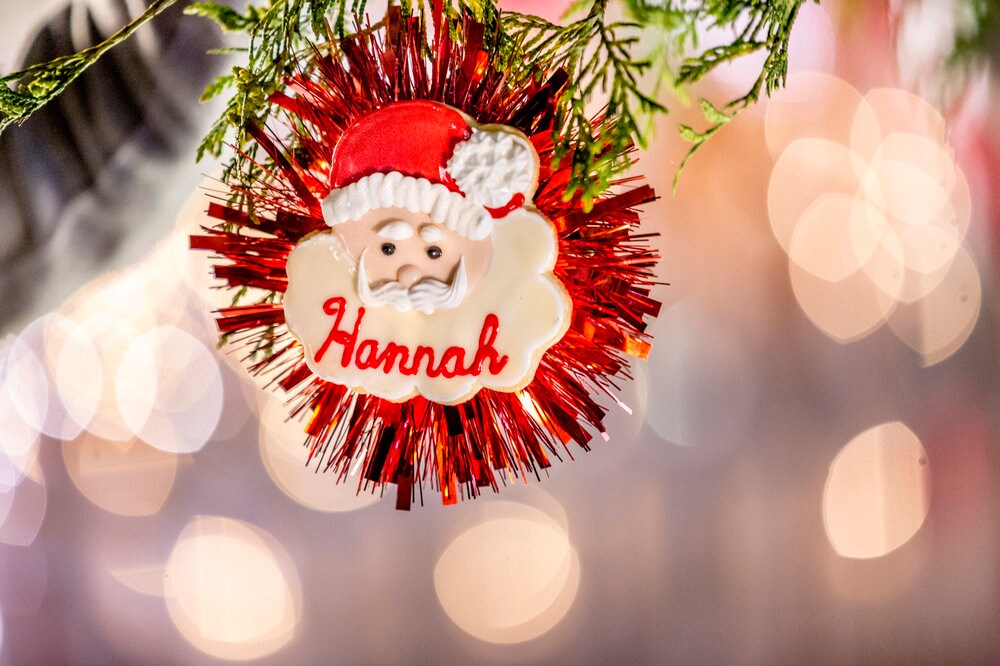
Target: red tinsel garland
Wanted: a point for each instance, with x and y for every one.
(605, 266)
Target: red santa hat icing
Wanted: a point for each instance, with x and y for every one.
(429, 158)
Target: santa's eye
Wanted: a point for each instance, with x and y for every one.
(434, 252)
(388, 248)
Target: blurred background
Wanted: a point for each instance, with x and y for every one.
(806, 469)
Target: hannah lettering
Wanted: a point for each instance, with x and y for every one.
(369, 354)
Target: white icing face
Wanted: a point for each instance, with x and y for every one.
(408, 261)
(513, 311)
(418, 290)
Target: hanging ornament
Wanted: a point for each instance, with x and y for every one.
(443, 312)
(447, 251)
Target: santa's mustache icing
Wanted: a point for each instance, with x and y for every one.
(427, 295)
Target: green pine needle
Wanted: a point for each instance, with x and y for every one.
(755, 25)
(36, 85)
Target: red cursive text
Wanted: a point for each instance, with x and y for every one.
(369, 354)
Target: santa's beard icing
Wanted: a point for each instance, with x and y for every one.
(529, 305)
(426, 296)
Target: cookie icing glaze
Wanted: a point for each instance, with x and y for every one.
(494, 339)
(394, 190)
(435, 278)
(493, 166)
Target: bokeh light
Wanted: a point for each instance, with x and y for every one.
(887, 111)
(53, 376)
(231, 589)
(816, 257)
(76, 371)
(26, 380)
(126, 478)
(937, 325)
(18, 438)
(128, 295)
(808, 169)
(10, 472)
(146, 580)
(876, 204)
(877, 492)
(114, 335)
(510, 578)
(832, 239)
(169, 389)
(284, 455)
(124, 586)
(813, 105)
(846, 310)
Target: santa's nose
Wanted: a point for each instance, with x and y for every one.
(408, 275)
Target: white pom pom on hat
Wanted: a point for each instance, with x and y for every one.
(493, 166)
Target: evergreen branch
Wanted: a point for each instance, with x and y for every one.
(598, 56)
(279, 34)
(36, 85)
(980, 35)
(757, 25)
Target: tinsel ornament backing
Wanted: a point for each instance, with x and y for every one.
(605, 265)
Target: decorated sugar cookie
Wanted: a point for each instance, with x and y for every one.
(410, 271)
(435, 278)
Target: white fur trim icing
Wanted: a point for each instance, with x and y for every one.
(492, 166)
(394, 190)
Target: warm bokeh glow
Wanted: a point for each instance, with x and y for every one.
(231, 590)
(76, 371)
(937, 325)
(829, 331)
(846, 310)
(832, 239)
(127, 478)
(812, 104)
(124, 294)
(887, 111)
(114, 335)
(877, 493)
(284, 456)
(169, 389)
(18, 439)
(807, 170)
(147, 580)
(874, 204)
(10, 473)
(508, 579)
(27, 383)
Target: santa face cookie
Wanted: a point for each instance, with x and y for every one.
(435, 278)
